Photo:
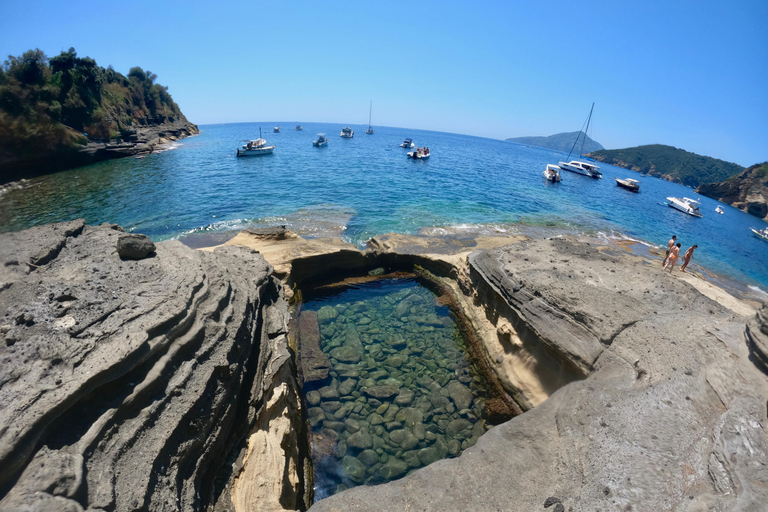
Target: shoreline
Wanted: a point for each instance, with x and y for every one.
(705, 280)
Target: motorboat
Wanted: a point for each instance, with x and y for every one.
(276, 129)
(552, 173)
(579, 167)
(685, 205)
(719, 210)
(321, 141)
(408, 143)
(629, 184)
(255, 147)
(760, 233)
(299, 127)
(419, 154)
(347, 133)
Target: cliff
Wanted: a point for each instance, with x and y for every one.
(669, 163)
(67, 111)
(748, 191)
(559, 142)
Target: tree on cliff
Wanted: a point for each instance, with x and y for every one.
(49, 105)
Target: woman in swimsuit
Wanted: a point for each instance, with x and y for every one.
(674, 253)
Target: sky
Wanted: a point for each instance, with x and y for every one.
(690, 74)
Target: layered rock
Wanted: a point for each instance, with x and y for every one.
(159, 383)
(648, 399)
(748, 191)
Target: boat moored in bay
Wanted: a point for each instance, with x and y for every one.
(552, 173)
(408, 143)
(321, 141)
(685, 205)
(629, 184)
(419, 154)
(347, 133)
(255, 147)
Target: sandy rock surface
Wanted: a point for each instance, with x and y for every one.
(657, 405)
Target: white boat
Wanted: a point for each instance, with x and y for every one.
(419, 154)
(347, 133)
(408, 143)
(685, 205)
(255, 147)
(579, 166)
(552, 173)
(760, 233)
(719, 210)
(299, 127)
(321, 141)
(369, 131)
(629, 184)
(276, 129)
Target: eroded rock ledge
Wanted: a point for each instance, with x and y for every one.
(164, 383)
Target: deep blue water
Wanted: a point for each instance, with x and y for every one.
(357, 188)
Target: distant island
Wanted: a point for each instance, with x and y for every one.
(559, 142)
(670, 163)
(747, 191)
(68, 111)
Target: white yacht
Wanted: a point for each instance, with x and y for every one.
(685, 205)
(552, 173)
(408, 143)
(585, 168)
(276, 129)
(719, 210)
(347, 133)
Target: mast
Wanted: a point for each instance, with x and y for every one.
(369, 115)
(581, 151)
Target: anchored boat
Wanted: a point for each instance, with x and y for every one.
(255, 147)
(552, 173)
(629, 184)
(685, 205)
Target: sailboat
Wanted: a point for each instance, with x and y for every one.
(578, 166)
(369, 131)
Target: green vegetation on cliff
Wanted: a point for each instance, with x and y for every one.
(47, 105)
(669, 163)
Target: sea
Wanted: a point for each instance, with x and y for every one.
(365, 186)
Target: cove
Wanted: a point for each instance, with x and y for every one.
(399, 393)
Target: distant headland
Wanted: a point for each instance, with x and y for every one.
(67, 111)
(558, 142)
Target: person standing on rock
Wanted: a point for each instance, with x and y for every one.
(674, 252)
(687, 257)
(670, 244)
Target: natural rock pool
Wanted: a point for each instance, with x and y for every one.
(388, 388)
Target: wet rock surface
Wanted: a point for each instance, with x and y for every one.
(655, 403)
(140, 384)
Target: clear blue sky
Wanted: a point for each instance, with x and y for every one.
(691, 74)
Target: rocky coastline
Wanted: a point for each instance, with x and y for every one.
(747, 191)
(141, 141)
(171, 379)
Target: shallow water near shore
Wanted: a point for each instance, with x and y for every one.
(361, 187)
(401, 394)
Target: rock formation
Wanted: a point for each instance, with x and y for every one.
(645, 397)
(748, 191)
(167, 382)
(162, 383)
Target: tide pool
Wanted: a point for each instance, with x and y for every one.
(361, 187)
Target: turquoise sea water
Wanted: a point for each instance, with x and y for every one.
(401, 394)
(365, 186)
